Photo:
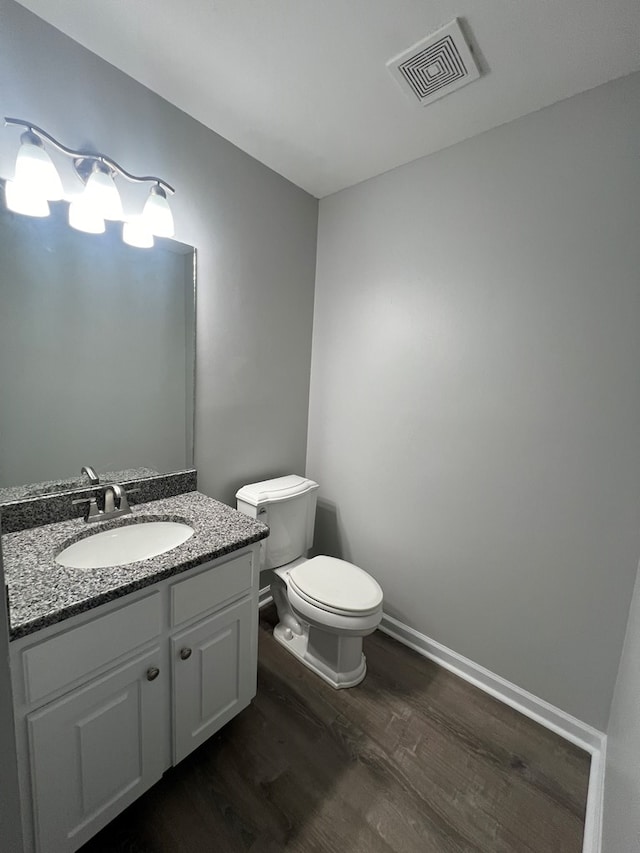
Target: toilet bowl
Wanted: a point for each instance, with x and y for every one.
(325, 605)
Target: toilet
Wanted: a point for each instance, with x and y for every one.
(325, 605)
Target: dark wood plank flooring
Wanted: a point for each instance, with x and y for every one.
(413, 759)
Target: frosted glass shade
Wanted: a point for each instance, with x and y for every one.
(102, 196)
(35, 170)
(83, 217)
(157, 213)
(136, 233)
(20, 199)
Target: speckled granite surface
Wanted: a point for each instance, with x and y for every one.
(49, 487)
(41, 592)
(47, 509)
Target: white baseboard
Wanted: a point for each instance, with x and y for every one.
(595, 800)
(574, 730)
(586, 737)
(264, 596)
(537, 709)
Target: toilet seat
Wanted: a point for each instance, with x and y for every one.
(336, 586)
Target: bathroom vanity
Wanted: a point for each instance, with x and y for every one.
(120, 672)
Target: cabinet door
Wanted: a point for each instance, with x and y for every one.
(214, 675)
(95, 750)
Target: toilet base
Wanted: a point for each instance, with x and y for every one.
(325, 645)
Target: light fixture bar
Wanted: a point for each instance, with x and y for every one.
(89, 155)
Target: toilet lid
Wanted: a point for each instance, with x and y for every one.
(336, 585)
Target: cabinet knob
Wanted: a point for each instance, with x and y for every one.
(185, 653)
(152, 673)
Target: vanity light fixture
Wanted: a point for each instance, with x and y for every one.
(136, 233)
(22, 200)
(157, 213)
(36, 182)
(84, 217)
(35, 172)
(101, 193)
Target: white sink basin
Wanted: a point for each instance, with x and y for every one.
(122, 545)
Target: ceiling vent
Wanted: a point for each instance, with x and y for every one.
(435, 66)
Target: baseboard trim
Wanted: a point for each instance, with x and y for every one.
(537, 709)
(595, 800)
(586, 737)
(264, 596)
(563, 724)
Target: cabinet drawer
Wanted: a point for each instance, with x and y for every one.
(67, 657)
(200, 594)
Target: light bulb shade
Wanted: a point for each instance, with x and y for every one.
(136, 233)
(82, 217)
(102, 196)
(157, 213)
(35, 170)
(20, 199)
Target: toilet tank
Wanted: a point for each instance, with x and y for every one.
(288, 506)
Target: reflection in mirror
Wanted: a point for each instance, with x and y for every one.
(97, 348)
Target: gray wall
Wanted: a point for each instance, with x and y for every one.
(621, 825)
(255, 233)
(475, 405)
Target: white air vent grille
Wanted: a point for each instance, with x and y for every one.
(435, 66)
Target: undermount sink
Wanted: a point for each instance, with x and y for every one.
(126, 544)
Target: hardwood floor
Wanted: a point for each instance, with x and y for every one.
(413, 759)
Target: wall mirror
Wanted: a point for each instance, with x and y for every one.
(97, 352)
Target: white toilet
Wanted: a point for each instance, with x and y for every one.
(325, 606)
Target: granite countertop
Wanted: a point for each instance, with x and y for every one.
(49, 487)
(42, 592)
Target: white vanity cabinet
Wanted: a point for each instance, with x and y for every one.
(213, 676)
(94, 751)
(108, 700)
(214, 659)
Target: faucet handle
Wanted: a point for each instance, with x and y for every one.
(123, 503)
(126, 493)
(92, 512)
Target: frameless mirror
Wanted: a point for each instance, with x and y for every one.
(97, 349)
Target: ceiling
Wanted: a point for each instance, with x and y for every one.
(302, 85)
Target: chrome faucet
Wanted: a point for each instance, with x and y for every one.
(91, 474)
(116, 503)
